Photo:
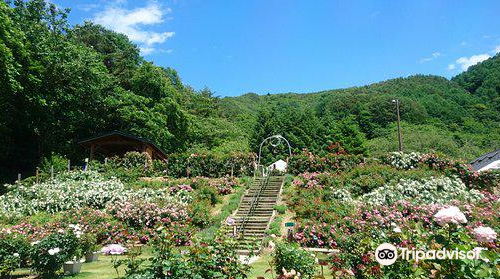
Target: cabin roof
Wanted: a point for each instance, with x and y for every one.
(485, 160)
(96, 139)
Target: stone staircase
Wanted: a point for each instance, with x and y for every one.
(255, 212)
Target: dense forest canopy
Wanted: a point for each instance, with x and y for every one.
(61, 83)
(438, 115)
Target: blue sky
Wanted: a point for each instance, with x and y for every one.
(234, 47)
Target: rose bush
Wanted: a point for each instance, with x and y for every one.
(440, 190)
(403, 160)
(418, 211)
(140, 213)
(291, 257)
(208, 165)
(48, 255)
(215, 258)
(332, 162)
(71, 190)
(13, 252)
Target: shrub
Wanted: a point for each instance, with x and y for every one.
(58, 162)
(224, 185)
(228, 209)
(200, 213)
(308, 162)
(13, 253)
(440, 190)
(280, 208)
(215, 258)
(208, 164)
(128, 168)
(275, 226)
(181, 193)
(206, 194)
(88, 243)
(139, 213)
(136, 160)
(71, 190)
(291, 256)
(48, 255)
(403, 160)
(485, 180)
(96, 222)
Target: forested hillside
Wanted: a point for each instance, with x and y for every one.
(62, 83)
(438, 115)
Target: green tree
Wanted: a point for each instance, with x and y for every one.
(119, 55)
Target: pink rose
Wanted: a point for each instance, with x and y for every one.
(113, 249)
(484, 234)
(450, 215)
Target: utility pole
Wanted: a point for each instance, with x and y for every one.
(396, 101)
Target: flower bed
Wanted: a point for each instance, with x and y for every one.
(207, 165)
(332, 162)
(410, 204)
(69, 190)
(471, 178)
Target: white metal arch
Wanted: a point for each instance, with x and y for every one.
(279, 138)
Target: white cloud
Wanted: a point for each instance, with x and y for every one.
(466, 62)
(432, 57)
(147, 50)
(496, 50)
(132, 23)
(87, 7)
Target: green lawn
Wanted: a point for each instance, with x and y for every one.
(102, 269)
(260, 266)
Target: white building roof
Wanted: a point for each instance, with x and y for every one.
(278, 165)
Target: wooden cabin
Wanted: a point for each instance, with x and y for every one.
(118, 143)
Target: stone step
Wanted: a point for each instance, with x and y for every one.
(254, 193)
(239, 218)
(264, 195)
(266, 215)
(261, 200)
(242, 212)
(261, 205)
(254, 220)
(246, 210)
(254, 232)
(255, 211)
(265, 206)
(260, 210)
(256, 226)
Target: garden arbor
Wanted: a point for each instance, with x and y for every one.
(274, 141)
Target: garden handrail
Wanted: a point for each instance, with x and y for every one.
(255, 201)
